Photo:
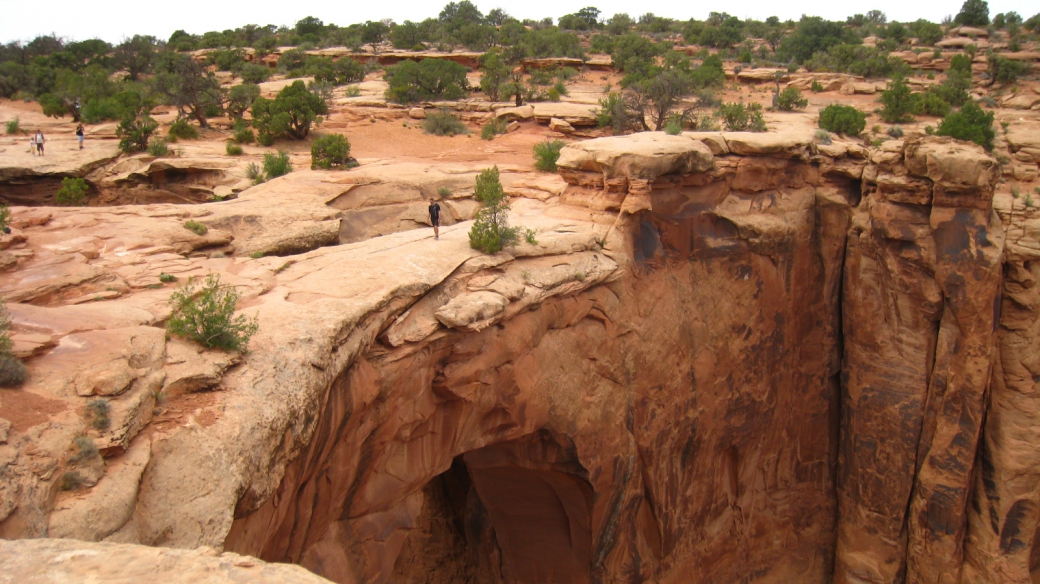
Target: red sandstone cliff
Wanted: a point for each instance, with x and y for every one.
(732, 357)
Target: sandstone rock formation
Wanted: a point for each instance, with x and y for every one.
(36, 561)
(729, 357)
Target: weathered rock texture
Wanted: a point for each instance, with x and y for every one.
(729, 357)
(40, 561)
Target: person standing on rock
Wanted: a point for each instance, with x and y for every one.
(435, 218)
(32, 144)
(79, 135)
(39, 141)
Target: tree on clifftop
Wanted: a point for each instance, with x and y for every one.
(491, 232)
(973, 13)
(289, 114)
(189, 86)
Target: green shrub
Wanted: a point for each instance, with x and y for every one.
(971, 123)
(254, 173)
(181, 129)
(493, 128)
(196, 227)
(240, 99)
(289, 114)
(254, 74)
(822, 136)
(674, 125)
(84, 449)
(546, 154)
(428, 79)
(97, 414)
(14, 127)
(898, 103)
(256, 255)
(933, 105)
(490, 232)
(244, 136)
(157, 147)
(330, 151)
(443, 192)
(1005, 71)
(739, 117)
(70, 481)
(12, 371)
(233, 149)
(5, 217)
(843, 119)
(135, 126)
(73, 192)
(167, 278)
(816, 87)
(443, 123)
(895, 132)
(791, 99)
(205, 314)
(276, 165)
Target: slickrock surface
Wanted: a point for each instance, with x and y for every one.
(42, 561)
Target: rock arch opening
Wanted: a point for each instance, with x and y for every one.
(518, 511)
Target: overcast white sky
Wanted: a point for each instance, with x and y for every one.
(111, 20)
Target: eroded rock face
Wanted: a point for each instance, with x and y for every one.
(33, 561)
(735, 356)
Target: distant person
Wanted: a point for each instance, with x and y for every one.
(79, 135)
(435, 218)
(39, 141)
(32, 144)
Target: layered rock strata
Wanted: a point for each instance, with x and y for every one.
(729, 356)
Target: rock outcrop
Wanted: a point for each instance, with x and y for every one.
(731, 355)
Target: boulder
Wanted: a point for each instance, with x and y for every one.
(575, 114)
(645, 155)
(762, 75)
(1022, 100)
(558, 125)
(753, 143)
(522, 113)
(417, 113)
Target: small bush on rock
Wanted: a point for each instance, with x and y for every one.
(97, 414)
(899, 103)
(5, 218)
(181, 129)
(791, 99)
(493, 128)
(14, 127)
(739, 117)
(233, 149)
(196, 227)
(73, 192)
(843, 119)
(158, 147)
(276, 165)
(330, 151)
(490, 232)
(546, 154)
(443, 123)
(12, 371)
(205, 314)
(971, 123)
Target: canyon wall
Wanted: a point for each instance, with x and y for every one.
(729, 357)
